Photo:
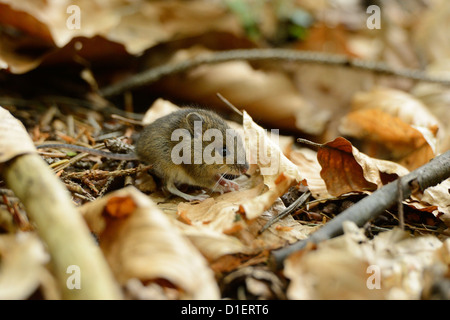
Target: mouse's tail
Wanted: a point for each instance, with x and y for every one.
(110, 155)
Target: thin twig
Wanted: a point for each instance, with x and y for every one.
(155, 74)
(310, 143)
(111, 179)
(401, 218)
(229, 104)
(297, 203)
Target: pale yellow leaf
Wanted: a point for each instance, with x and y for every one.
(23, 260)
(14, 138)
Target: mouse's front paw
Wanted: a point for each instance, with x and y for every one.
(227, 185)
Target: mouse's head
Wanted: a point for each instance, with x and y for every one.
(215, 145)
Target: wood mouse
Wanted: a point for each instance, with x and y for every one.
(190, 146)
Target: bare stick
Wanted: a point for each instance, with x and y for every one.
(310, 143)
(430, 174)
(400, 213)
(297, 203)
(229, 104)
(153, 75)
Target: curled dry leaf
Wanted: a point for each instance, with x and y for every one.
(439, 196)
(278, 171)
(264, 150)
(219, 214)
(345, 169)
(145, 245)
(399, 104)
(216, 228)
(434, 199)
(394, 125)
(23, 266)
(347, 267)
(14, 139)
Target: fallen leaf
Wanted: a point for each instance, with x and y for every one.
(278, 171)
(264, 150)
(145, 245)
(255, 207)
(394, 125)
(14, 138)
(389, 266)
(345, 169)
(23, 269)
(434, 199)
(306, 160)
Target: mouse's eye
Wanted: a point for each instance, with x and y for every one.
(223, 151)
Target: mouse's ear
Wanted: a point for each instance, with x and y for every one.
(195, 123)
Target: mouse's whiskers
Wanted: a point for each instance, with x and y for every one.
(219, 180)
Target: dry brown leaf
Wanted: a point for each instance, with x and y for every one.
(14, 138)
(345, 169)
(332, 271)
(216, 228)
(145, 245)
(398, 104)
(397, 135)
(394, 122)
(340, 171)
(211, 223)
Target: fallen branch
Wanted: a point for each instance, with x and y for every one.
(430, 174)
(153, 75)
